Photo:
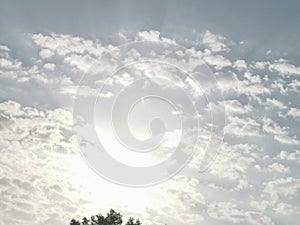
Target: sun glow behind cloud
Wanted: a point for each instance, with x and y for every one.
(100, 194)
(253, 181)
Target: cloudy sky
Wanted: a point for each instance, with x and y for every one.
(88, 88)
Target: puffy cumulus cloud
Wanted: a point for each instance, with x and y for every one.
(280, 85)
(294, 86)
(286, 209)
(151, 35)
(283, 187)
(281, 209)
(238, 126)
(216, 43)
(229, 212)
(284, 68)
(293, 156)
(278, 167)
(46, 53)
(294, 113)
(33, 175)
(234, 161)
(66, 44)
(34, 129)
(240, 65)
(260, 65)
(38, 86)
(218, 61)
(28, 84)
(261, 205)
(253, 79)
(280, 133)
(7, 63)
(78, 52)
(234, 107)
(50, 66)
(249, 85)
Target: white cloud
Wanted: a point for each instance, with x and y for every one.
(233, 161)
(277, 167)
(240, 65)
(286, 209)
(58, 184)
(260, 65)
(215, 42)
(282, 187)
(228, 211)
(151, 35)
(50, 66)
(232, 85)
(218, 61)
(242, 127)
(253, 79)
(280, 85)
(125, 79)
(4, 48)
(38, 138)
(46, 53)
(286, 139)
(176, 197)
(284, 68)
(261, 205)
(294, 113)
(235, 107)
(294, 86)
(7, 63)
(281, 134)
(293, 156)
(275, 103)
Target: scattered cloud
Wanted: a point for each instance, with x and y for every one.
(218, 61)
(282, 187)
(277, 167)
(280, 133)
(284, 68)
(292, 156)
(216, 43)
(43, 173)
(227, 211)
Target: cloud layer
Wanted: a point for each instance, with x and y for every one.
(254, 180)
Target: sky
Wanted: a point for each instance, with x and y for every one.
(175, 112)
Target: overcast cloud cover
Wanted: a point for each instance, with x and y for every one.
(252, 47)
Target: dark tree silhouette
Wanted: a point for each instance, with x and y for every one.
(112, 218)
(75, 222)
(131, 222)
